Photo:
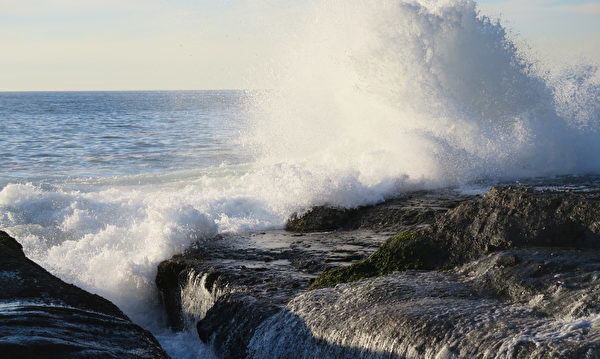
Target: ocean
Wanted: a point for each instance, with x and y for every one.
(385, 98)
(101, 186)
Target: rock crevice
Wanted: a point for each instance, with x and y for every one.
(43, 317)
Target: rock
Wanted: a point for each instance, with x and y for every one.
(561, 283)
(510, 217)
(250, 277)
(432, 314)
(393, 215)
(506, 217)
(407, 250)
(512, 274)
(231, 323)
(43, 317)
(171, 276)
(319, 219)
(228, 289)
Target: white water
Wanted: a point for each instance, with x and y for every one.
(197, 299)
(371, 98)
(428, 90)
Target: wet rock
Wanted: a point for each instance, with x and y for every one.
(393, 215)
(43, 317)
(170, 276)
(319, 219)
(407, 250)
(509, 217)
(558, 282)
(429, 315)
(231, 323)
(512, 274)
(225, 288)
(222, 283)
(506, 217)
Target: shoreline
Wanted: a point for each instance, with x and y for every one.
(246, 305)
(426, 275)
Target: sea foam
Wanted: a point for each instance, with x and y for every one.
(369, 99)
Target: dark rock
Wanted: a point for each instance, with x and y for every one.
(558, 282)
(431, 314)
(541, 277)
(320, 218)
(231, 323)
(393, 215)
(407, 250)
(170, 276)
(249, 288)
(507, 217)
(228, 289)
(43, 317)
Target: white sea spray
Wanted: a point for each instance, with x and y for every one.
(369, 99)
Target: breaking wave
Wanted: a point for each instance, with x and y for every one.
(368, 99)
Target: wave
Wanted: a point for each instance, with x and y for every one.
(431, 91)
(370, 99)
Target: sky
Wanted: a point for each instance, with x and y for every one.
(70, 45)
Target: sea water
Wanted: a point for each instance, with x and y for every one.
(92, 184)
(366, 100)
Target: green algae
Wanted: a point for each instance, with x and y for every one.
(405, 251)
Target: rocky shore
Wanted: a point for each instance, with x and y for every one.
(514, 273)
(43, 317)
(511, 274)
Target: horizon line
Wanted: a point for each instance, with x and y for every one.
(157, 90)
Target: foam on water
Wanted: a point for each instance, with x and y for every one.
(109, 238)
(371, 99)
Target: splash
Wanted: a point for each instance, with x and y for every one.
(427, 92)
(197, 298)
(369, 99)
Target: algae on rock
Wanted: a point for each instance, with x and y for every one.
(407, 250)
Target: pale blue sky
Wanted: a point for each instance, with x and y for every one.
(205, 44)
(558, 32)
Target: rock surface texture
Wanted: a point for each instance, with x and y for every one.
(249, 278)
(43, 317)
(510, 217)
(457, 314)
(394, 215)
(512, 274)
